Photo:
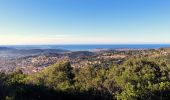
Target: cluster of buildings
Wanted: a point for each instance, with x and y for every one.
(33, 64)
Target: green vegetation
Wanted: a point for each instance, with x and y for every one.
(137, 78)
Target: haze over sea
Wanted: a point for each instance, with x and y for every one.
(91, 46)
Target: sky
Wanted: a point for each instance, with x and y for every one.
(84, 22)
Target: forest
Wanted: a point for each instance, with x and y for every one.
(136, 78)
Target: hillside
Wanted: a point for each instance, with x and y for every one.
(83, 75)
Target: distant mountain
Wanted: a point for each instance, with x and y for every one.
(39, 51)
(80, 54)
(15, 53)
(6, 49)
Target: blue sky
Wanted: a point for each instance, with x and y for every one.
(84, 21)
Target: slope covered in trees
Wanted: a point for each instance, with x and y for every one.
(137, 78)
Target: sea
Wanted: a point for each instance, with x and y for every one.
(77, 47)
